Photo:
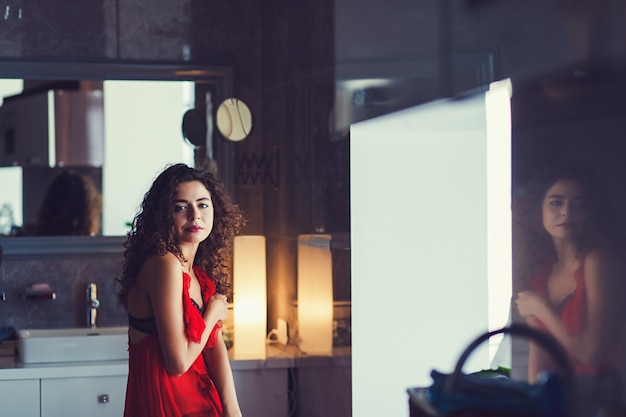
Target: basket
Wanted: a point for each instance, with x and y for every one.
(461, 395)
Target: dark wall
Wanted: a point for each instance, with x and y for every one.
(438, 48)
(288, 176)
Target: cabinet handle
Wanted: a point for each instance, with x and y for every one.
(104, 399)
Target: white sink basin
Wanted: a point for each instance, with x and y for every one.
(72, 344)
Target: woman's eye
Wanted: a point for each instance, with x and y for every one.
(555, 203)
(204, 205)
(179, 208)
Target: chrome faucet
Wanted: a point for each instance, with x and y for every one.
(92, 305)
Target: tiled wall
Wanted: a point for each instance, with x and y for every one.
(68, 277)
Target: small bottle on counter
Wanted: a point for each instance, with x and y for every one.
(6, 219)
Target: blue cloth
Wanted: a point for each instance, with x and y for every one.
(498, 394)
(6, 333)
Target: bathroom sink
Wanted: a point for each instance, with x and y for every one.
(72, 344)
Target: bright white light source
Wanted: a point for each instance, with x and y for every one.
(499, 250)
(315, 294)
(249, 297)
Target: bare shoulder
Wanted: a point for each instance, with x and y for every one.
(160, 269)
(600, 258)
(600, 265)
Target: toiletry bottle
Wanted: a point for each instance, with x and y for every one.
(6, 219)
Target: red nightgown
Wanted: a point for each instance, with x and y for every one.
(153, 392)
(572, 310)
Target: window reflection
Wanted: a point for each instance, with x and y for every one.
(140, 134)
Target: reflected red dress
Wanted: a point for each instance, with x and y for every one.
(153, 392)
(572, 310)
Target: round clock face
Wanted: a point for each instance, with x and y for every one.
(234, 119)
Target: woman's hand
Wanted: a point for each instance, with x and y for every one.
(217, 306)
(530, 304)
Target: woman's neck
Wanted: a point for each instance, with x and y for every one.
(566, 252)
(189, 253)
(187, 266)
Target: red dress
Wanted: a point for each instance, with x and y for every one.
(153, 392)
(572, 310)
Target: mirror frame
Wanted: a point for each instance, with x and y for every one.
(219, 76)
(56, 246)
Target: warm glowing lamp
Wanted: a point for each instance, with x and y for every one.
(315, 294)
(249, 297)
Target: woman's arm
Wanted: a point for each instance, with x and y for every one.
(535, 309)
(162, 278)
(588, 345)
(538, 359)
(602, 277)
(216, 359)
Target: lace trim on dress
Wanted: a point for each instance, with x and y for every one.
(194, 324)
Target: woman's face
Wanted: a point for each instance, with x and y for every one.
(563, 209)
(192, 212)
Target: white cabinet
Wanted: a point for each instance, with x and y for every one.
(20, 398)
(67, 397)
(99, 389)
(93, 396)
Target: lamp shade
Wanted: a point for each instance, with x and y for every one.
(249, 297)
(315, 294)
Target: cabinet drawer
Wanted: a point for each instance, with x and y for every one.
(20, 398)
(96, 396)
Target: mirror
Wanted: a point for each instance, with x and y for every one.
(196, 86)
(234, 119)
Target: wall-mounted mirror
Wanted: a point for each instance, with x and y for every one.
(133, 103)
(234, 119)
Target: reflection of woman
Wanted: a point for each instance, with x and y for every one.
(71, 206)
(173, 284)
(573, 243)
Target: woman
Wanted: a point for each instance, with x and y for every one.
(574, 246)
(72, 205)
(174, 285)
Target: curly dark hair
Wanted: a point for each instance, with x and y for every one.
(532, 245)
(72, 205)
(152, 230)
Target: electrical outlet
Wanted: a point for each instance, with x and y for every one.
(282, 335)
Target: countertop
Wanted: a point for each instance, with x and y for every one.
(277, 357)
